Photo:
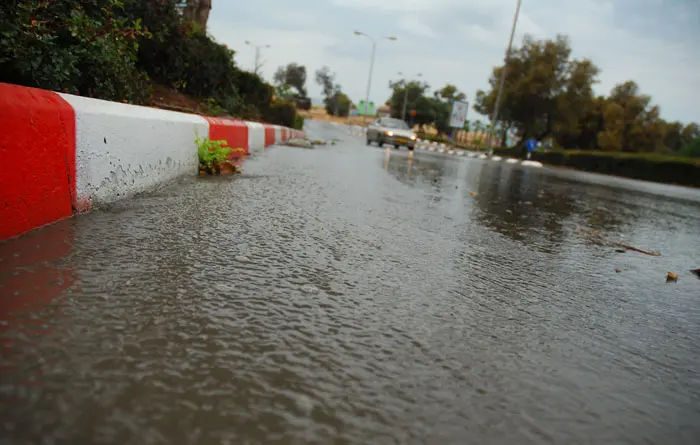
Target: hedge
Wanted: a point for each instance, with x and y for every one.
(649, 167)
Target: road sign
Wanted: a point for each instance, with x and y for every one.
(459, 114)
(363, 109)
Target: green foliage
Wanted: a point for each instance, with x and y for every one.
(211, 152)
(298, 122)
(691, 149)
(337, 103)
(281, 112)
(647, 166)
(211, 107)
(549, 94)
(450, 92)
(255, 94)
(181, 55)
(433, 110)
(414, 92)
(111, 49)
(87, 48)
(294, 76)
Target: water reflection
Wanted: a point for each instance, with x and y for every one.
(35, 275)
(415, 170)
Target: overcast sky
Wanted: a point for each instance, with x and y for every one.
(654, 42)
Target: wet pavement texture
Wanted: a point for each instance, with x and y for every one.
(353, 295)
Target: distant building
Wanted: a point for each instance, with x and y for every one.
(384, 111)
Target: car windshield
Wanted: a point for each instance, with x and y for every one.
(394, 123)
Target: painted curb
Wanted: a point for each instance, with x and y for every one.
(62, 154)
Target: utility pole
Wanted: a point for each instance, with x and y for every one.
(494, 116)
(371, 68)
(258, 64)
(405, 95)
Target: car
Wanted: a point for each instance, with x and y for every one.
(387, 130)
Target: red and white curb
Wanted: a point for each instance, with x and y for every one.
(61, 154)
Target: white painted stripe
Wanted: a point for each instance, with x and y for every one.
(278, 134)
(256, 136)
(124, 149)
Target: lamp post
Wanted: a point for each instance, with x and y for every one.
(257, 65)
(371, 68)
(494, 115)
(405, 95)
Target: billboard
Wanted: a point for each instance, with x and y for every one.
(459, 114)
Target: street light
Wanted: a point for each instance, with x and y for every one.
(257, 54)
(405, 95)
(371, 67)
(494, 116)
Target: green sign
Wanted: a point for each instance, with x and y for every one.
(364, 110)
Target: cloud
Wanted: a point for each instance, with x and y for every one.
(649, 41)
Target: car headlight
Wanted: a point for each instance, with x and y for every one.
(413, 137)
(389, 133)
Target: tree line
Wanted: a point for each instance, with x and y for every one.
(290, 83)
(549, 94)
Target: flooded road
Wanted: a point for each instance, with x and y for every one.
(350, 295)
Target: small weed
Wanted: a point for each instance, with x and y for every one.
(212, 153)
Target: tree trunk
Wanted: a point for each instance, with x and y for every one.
(198, 12)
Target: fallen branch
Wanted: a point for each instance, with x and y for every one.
(599, 237)
(636, 249)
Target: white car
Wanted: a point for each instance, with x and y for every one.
(387, 130)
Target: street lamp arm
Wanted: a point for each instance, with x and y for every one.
(371, 67)
(359, 33)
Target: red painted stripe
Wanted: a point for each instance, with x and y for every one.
(269, 135)
(37, 154)
(234, 132)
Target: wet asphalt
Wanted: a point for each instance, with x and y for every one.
(353, 295)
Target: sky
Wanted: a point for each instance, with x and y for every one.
(653, 42)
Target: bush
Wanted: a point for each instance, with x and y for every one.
(338, 105)
(650, 167)
(182, 56)
(691, 149)
(255, 94)
(80, 47)
(281, 113)
(110, 49)
(298, 122)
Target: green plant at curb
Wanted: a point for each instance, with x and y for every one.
(212, 153)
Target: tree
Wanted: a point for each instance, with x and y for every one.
(442, 106)
(197, 11)
(337, 103)
(547, 93)
(541, 82)
(414, 92)
(450, 92)
(293, 75)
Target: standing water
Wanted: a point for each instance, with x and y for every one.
(349, 294)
